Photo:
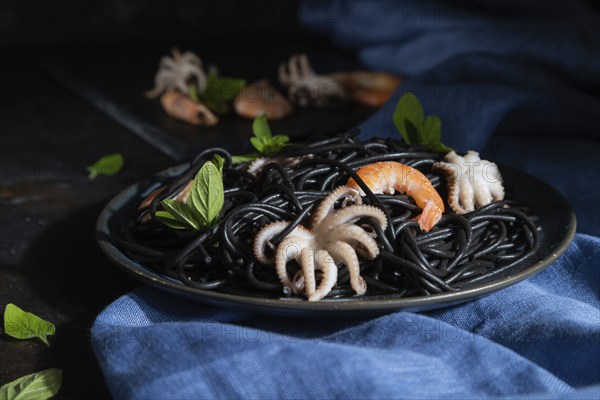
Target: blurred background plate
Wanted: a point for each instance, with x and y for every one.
(115, 79)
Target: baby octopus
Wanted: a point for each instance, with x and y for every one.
(332, 240)
(177, 73)
(306, 88)
(472, 182)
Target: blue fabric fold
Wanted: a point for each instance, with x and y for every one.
(537, 338)
(517, 81)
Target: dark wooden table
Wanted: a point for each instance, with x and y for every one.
(50, 263)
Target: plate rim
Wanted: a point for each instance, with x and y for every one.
(278, 305)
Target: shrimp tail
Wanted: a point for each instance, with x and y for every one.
(430, 216)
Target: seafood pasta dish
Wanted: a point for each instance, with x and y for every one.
(332, 218)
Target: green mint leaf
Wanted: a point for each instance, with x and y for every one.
(219, 162)
(108, 165)
(258, 144)
(274, 145)
(219, 107)
(220, 90)
(263, 140)
(261, 128)
(432, 130)
(280, 140)
(40, 385)
(408, 118)
(193, 93)
(432, 135)
(23, 325)
(414, 127)
(438, 146)
(207, 194)
(182, 213)
(243, 158)
(168, 219)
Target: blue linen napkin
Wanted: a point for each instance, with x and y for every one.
(537, 338)
(521, 86)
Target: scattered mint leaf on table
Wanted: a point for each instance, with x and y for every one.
(109, 165)
(263, 141)
(410, 121)
(21, 324)
(40, 385)
(205, 201)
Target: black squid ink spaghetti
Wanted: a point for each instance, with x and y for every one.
(458, 252)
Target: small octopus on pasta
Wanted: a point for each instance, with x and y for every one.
(334, 239)
(472, 182)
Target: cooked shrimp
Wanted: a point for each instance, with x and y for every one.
(262, 98)
(391, 176)
(181, 107)
(368, 88)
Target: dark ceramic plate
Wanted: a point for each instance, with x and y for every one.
(556, 219)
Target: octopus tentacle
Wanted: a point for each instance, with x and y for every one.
(481, 192)
(307, 262)
(333, 239)
(358, 238)
(264, 236)
(451, 171)
(326, 205)
(343, 252)
(325, 264)
(493, 180)
(472, 182)
(353, 214)
(289, 249)
(302, 235)
(466, 196)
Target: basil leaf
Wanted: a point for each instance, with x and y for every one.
(243, 158)
(108, 165)
(40, 385)
(261, 128)
(207, 193)
(408, 117)
(23, 325)
(168, 219)
(182, 213)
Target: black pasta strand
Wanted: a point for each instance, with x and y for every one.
(459, 252)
